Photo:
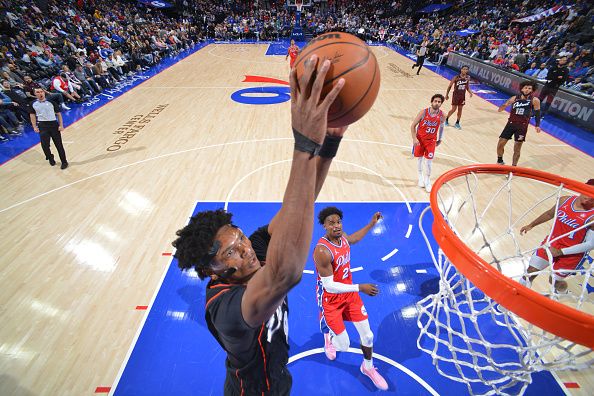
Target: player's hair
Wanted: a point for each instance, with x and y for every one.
(329, 211)
(526, 83)
(590, 182)
(465, 66)
(196, 239)
(440, 96)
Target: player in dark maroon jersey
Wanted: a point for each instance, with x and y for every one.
(461, 84)
(572, 237)
(523, 106)
(246, 306)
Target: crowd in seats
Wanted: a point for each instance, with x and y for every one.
(76, 49)
(530, 48)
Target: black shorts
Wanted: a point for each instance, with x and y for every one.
(518, 131)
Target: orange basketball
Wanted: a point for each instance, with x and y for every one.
(352, 60)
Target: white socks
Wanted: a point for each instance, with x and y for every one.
(424, 181)
(428, 162)
(420, 172)
(368, 364)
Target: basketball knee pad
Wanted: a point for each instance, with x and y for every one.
(341, 341)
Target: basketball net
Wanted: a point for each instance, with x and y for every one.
(299, 5)
(471, 337)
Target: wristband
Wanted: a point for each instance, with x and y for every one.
(305, 144)
(330, 146)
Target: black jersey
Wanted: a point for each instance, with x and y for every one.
(256, 357)
(521, 110)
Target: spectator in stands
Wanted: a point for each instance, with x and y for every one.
(8, 120)
(61, 85)
(499, 61)
(29, 87)
(19, 99)
(542, 72)
(557, 76)
(86, 80)
(579, 71)
(532, 70)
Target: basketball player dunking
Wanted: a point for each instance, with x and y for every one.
(246, 306)
(522, 106)
(424, 131)
(576, 238)
(338, 297)
(292, 52)
(461, 84)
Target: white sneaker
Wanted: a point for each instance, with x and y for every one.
(428, 185)
(65, 107)
(421, 181)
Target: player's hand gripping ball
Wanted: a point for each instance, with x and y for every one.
(352, 60)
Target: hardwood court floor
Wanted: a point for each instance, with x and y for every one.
(81, 248)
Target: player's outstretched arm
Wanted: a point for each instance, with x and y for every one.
(543, 218)
(289, 244)
(585, 246)
(357, 236)
(324, 160)
(323, 262)
(327, 153)
(507, 103)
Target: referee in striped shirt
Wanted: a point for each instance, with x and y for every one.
(47, 122)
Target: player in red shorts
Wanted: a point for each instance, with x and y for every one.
(461, 84)
(571, 239)
(427, 131)
(338, 298)
(292, 52)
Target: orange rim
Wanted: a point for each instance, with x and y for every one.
(552, 316)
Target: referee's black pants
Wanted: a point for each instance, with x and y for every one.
(419, 64)
(49, 130)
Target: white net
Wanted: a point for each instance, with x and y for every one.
(470, 337)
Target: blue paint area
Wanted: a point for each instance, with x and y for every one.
(176, 355)
(559, 128)
(20, 144)
(281, 47)
(262, 95)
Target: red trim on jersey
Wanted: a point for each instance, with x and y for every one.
(219, 285)
(215, 296)
(263, 355)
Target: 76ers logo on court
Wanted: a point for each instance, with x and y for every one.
(263, 95)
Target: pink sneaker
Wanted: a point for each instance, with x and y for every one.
(375, 377)
(329, 347)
